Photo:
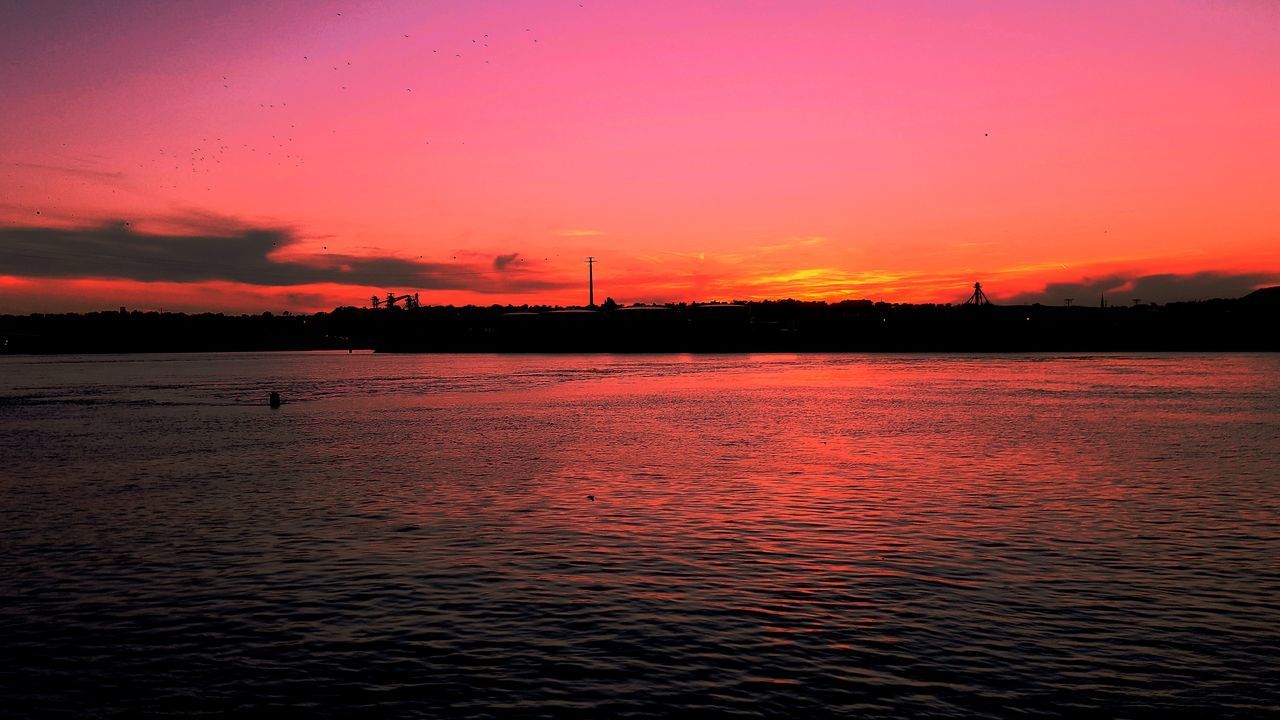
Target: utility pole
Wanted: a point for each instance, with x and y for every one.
(591, 282)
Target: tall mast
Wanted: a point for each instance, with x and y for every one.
(591, 282)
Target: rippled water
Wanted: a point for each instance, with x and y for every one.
(772, 536)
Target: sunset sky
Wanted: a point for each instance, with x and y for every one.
(303, 154)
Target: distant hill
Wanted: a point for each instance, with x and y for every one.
(1267, 296)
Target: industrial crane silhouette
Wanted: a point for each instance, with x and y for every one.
(410, 301)
(978, 297)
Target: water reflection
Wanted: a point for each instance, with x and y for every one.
(873, 536)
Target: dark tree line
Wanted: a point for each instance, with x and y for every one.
(1247, 323)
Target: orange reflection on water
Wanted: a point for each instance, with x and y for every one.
(773, 533)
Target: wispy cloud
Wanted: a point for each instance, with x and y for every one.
(826, 282)
(579, 233)
(792, 243)
(87, 173)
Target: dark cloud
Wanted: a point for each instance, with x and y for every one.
(502, 261)
(233, 254)
(1161, 288)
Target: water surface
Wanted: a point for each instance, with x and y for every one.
(771, 536)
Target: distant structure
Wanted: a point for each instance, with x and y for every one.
(978, 297)
(1069, 301)
(410, 301)
(591, 282)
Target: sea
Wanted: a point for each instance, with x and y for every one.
(640, 536)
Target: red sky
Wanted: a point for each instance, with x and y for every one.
(701, 150)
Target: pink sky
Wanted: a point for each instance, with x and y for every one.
(701, 150)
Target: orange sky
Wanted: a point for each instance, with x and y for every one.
(477, 151)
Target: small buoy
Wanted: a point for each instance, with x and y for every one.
(275, 400)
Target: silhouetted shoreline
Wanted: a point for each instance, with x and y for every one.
(1244, 324)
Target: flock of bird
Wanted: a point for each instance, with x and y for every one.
(205, 157)
(196, 166)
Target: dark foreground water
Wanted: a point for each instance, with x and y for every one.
(772, 536)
